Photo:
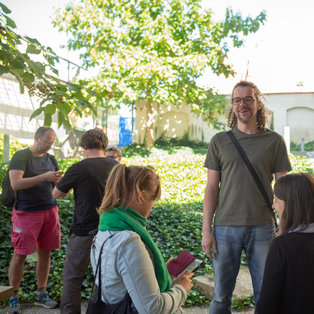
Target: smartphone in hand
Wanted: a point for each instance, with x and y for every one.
(185, 261)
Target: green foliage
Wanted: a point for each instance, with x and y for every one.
(173, 145)
(301, 164)
(175, 223)
(64, 164)
(162, 146)
(135, 150)
(246, 301)
(171, 239)
(308, 147)
(20, 55)
(153, 51)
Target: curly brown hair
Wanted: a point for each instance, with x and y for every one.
(262, 113)
(94, 139)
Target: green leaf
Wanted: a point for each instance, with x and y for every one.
(4, 69)
(5, 9)
(28, 77)
(32, 40)
(10, 22)
(64, 107)
(18, 64)
(31, 48)
(50, 109)
(36, 113)
(47, 119)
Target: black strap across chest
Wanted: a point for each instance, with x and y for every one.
(253, 172)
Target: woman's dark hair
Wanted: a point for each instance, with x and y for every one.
(94, 139)
(297, 192)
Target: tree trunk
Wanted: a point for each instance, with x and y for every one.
(149, 125)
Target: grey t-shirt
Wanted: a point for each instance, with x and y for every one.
(240, 202)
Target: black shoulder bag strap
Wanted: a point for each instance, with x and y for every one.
(98, 269)
(54, 161)
(253, 173)
(98, 306)
(29, 155)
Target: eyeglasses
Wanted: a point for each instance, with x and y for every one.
(248, 100)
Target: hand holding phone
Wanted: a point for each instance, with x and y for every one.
(185, 261)
(185, 280)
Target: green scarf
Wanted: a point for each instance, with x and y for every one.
(125, 218)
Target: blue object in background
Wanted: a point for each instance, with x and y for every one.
(125, 131)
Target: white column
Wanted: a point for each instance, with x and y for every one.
(286, 136)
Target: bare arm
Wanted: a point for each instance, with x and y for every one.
(20, 183)
(56, 193)
(209, 207)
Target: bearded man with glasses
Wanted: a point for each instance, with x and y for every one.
(233, 201)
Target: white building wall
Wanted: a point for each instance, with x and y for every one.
(15, 111)
(295, 110)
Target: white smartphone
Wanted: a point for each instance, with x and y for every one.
(194, 266)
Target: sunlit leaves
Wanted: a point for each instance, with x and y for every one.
(154, 51)
(37, 75)
(182, 175)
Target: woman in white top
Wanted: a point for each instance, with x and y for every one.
(131, 262)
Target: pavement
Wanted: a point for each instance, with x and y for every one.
(204, 284)
(33, 309)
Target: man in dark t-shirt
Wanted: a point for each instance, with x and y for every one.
(87, 178)
(35, 221)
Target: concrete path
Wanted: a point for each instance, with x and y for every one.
(28, 309)
(203, 283)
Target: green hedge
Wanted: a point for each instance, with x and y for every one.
(175, 223)
(308, 147)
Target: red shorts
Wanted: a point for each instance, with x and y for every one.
(40, 229)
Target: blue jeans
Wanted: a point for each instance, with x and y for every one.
(255, 241)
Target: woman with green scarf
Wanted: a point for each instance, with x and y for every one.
(131, 262)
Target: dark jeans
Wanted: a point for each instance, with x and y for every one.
(75, 266)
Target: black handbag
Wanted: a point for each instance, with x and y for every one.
(253, 173)
(97, 306)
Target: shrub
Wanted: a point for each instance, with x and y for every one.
(175, 223)
(308, 147)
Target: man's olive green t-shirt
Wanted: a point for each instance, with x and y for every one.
(240, 203)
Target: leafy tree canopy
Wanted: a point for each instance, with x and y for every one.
(155, 50)
(34, 66)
